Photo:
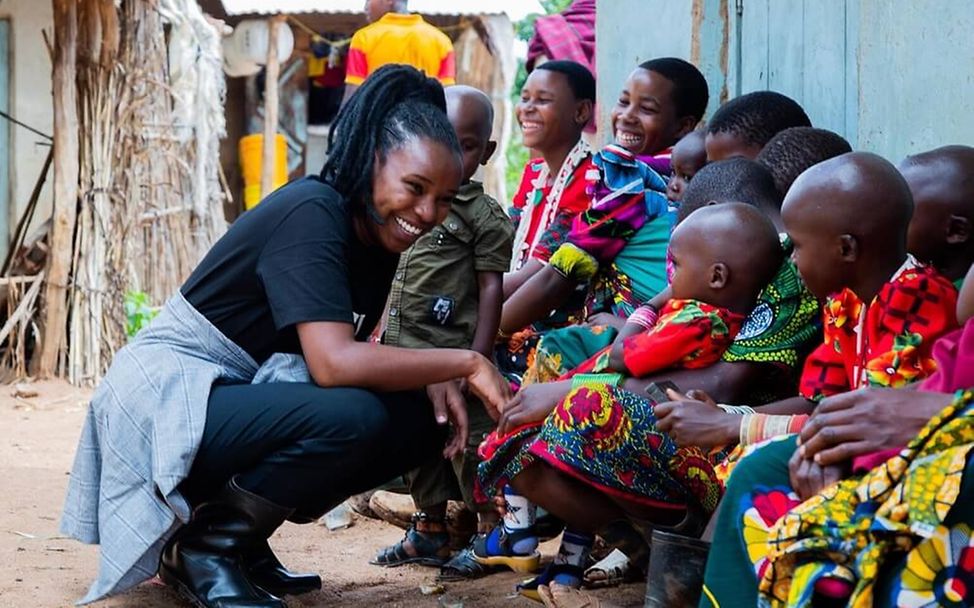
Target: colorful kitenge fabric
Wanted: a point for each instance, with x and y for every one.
(615, 445)
(562, 350)
(888, 342)
(606, 437)
(608, 284)
(625, 194)
(637, 274)
(848, 530)
(785, 325)
(543, 209)
(690, 334)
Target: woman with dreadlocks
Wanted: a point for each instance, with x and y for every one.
(186, 465)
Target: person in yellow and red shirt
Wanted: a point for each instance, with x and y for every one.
(395, 36)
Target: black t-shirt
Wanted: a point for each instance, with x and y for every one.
(293, 258)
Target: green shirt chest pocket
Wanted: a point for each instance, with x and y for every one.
(452, 238)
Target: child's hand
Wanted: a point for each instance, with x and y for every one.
(695, 420)
(449, 406)
(488, 384)
(606, 319)
(808, 478)
(532, 403)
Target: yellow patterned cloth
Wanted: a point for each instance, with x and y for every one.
(846, 532)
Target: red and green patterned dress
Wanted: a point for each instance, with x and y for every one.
(606, 436)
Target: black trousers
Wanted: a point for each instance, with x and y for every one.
(307, 447)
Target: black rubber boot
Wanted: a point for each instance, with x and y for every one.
(267, 572)
(204, 560)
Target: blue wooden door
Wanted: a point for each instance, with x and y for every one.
(804, 49)
(5, 156)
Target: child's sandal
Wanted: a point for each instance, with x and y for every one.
(510, 559)
(429, 540)
(464, 567)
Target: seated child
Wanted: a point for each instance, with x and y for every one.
(688, 157)
(734, 180)
(942, 229)
(742, 126)
(848, 218)
(447, 292)
(662, 101)
(715, 284)
(793, 150)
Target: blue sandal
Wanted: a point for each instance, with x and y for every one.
(430, 542)
(509, 559)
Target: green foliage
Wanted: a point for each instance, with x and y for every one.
(138, 312)
(517, 154)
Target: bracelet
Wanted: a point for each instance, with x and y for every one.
(645, 316)
(758, 427)
(592, 380)
(736, 409)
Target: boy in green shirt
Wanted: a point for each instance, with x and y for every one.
(447, 293)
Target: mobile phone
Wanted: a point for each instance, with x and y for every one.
(657, 390)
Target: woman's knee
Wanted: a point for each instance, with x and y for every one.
(348, 415)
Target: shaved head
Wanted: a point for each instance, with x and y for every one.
(857, 193)
(848, 219)
(470, 104)
(472, 116)
(735, 235)
(942, 229)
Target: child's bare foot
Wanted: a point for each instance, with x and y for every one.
(561, 596)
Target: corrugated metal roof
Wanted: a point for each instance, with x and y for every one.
(515, 9)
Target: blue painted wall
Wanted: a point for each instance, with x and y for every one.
(628, 32)
(894, 77)
(916, 75)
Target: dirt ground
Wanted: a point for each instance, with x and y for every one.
(38, 567)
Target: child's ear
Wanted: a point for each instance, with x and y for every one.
(488, 152)
(719, 275)
(958, 229)
(848, 248)
(583, 112)
(687, 124)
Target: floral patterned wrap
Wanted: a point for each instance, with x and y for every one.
(847, 531)
(606, 437)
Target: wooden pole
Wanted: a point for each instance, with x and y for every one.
(271, 76)
(65, 186)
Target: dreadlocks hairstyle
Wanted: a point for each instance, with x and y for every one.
(580, 79)
(690, 92)
(396, 104)
(793, 150)
(734, 180)
(757, 117)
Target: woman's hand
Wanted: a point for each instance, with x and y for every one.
(808, 478)
(696, 421)
(487, 383)
(449, 406)
(605, 318)
(866, 421)
(532, 403)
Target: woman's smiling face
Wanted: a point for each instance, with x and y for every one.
(412, 190)
(644, 118)
(549, 115)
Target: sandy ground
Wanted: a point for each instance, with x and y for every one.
(38, 567)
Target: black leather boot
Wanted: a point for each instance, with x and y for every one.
(267, 572)
(204, 560)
